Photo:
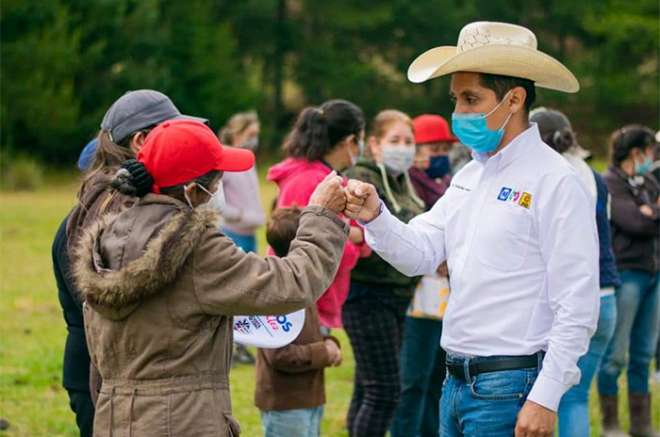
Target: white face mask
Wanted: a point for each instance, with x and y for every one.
(398, 158)
(251, 144)
(217, 200)
(355, 159)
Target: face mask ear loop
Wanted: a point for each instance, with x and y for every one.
(185, 194)
(204, 189)
(506, 121)
(498, 105)
(388, 190)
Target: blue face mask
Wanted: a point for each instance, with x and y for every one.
(644, 167)
(472, 129)
(439, 166)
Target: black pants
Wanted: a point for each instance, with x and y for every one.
(81, 404)
(374, 328)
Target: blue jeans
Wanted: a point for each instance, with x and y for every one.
(574, 406)
(292, 423)
(422, 373)
(246, 242)
(636, 333)
(488, 406)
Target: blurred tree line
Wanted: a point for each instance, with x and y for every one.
(63, 62)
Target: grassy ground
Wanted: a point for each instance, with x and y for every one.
(32, 330)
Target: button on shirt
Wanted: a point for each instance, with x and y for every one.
(519, 235)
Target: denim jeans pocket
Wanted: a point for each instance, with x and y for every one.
(503, 385)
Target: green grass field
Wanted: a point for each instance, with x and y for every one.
(32, 329)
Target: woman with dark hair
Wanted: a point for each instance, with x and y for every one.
(324, 138)
(161, 285)
(123, 131)
(635, 235)
(557, 132)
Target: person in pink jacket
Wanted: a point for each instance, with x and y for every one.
(324, 138)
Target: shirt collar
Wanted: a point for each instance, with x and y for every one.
(515, 148)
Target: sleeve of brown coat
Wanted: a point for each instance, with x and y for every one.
(229, 281)
(294, 358)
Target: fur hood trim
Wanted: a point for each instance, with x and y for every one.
(145, 276)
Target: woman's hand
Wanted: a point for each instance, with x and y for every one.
(329, 194)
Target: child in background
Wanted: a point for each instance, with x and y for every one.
(290, 387)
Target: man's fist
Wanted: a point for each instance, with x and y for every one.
(362, 202)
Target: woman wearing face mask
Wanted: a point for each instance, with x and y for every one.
(374, 311)
(324, 138)
(242, 211)
(422, 358)
(431, 173)
(161, 284)
(635, 238)
(239, 201)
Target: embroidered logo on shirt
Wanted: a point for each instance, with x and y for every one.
(522, 198)
(460, 187)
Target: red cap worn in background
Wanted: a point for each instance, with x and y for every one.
(179, 151)
(430, 128)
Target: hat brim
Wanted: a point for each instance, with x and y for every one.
(190, 117)
(501, 59)
(234, 159)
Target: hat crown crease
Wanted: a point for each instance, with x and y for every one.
(485, 34)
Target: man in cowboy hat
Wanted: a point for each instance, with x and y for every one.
(519, 235)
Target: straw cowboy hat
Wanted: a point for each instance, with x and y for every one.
(495, 48)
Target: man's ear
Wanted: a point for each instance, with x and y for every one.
(517, 98)
(137, 141)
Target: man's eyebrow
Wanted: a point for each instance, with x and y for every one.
(469, 92)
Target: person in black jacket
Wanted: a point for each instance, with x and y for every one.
(635, 224)
(76, 356)
(557, 132)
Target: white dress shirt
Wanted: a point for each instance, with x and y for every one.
(519, 235)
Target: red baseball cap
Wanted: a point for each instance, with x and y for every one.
(431, 128)
(179, 151)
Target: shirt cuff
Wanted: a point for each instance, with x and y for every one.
(547, 392)
(380, 222)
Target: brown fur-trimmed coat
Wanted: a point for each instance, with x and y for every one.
(160, 285)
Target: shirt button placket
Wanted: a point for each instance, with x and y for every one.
(482, 188)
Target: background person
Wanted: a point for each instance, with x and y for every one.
(635, 236)
(161, 284)
(422, 358)
(324, 138)
(241, 210)
(374, 311)
(557, 132)
(290, 385)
